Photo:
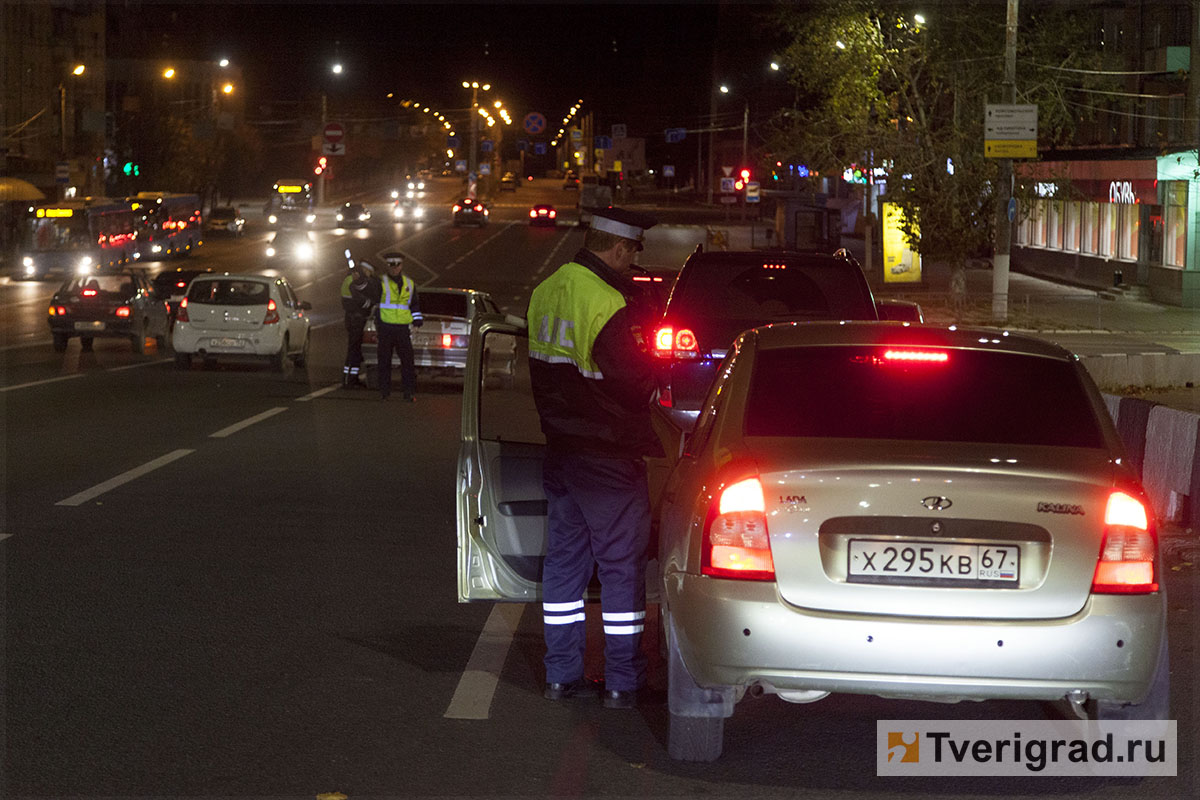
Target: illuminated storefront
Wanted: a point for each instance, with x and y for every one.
(1096, 222)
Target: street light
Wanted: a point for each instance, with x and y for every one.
(476, 112)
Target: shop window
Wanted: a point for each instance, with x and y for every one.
(1090, 223)
(1108, 229)
(1175, 246)
(1128, 227)
(1071, 227)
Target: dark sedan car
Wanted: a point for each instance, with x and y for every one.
(121, 304)
(470, 211)
(353, 215)
(171, 285)
(543, 214)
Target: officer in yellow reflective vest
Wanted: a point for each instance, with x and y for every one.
(592, 384)
(398, 308)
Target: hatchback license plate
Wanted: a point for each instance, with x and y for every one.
(89, 326)
(226, 342)
(926, 563)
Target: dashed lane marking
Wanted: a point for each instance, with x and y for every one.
(480, 246)
(246, 423)
(123, 478)
(551, 258)
(139, 364)
(317, 393)
(473, 696)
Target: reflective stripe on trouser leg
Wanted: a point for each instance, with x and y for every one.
(565, 575)
(613, 498)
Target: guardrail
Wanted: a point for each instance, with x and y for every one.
(1079, 309)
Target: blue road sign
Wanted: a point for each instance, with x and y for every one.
(1012, 208)
(539, 148)
(534, 123)
(486, 146)
(452, 141)
(675, 135)
(603, 142)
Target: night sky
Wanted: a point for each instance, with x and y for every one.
(649, 65)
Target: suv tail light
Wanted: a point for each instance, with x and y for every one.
(60, 311)
(123, 312)
(181, 315)
(272, 313)
(1128, 561)
(736, 540)
(671, 343)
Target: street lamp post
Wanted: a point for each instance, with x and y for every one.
(62, 113)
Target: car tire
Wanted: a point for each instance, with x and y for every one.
(301, 358)
(85, 343)
(279, 358)
(139, 339)
(60, 342)
(183, 360)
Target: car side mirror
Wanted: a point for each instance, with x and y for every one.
(304, 305)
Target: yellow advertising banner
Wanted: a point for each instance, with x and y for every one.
(900, 263)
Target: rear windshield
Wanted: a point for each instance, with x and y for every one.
(98, 285)
(446, 305)
(719, 299)
(170, 280)
(229, 292)
(983, 397)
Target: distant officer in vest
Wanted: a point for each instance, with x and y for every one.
(398, 309)
(592, 384)
(357, 300)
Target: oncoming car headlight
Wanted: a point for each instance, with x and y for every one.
(398, 212)
(27, 261)
(272, 219)
(310, 219)
(304, 252)
(85, 265)
(270, 251)
(418, 212)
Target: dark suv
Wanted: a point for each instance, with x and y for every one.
(720, 294)
(121, 303)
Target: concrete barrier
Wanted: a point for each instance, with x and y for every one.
(1158, 370)
(1163, 444)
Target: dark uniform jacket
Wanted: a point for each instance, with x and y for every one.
(608, 416)
(359, 303)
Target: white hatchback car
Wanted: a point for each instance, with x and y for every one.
(237, 316)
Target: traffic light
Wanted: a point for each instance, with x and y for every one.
(131, 169)
(322, 165)
(742, 180)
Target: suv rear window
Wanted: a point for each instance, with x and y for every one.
(974, 396)
(719, 297)
(446, 305)
(229, 292)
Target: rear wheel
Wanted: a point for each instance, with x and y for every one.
(278, 359)
(139, 339)
(85, 343)
(301, 358)
(697, 726)
(60, 342)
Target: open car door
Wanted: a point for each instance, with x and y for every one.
(501, 504)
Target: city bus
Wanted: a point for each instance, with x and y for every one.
(75, 236)
(170, 224)
(291, 204)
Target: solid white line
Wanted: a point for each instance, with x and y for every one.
(246, 423)
(550, 257)
(318, 393)
(473, 696)
(41, 383)
(36, 343)
(124, 477)
(5, 536)
(479, 246)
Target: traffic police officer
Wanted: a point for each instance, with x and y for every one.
(398, 308)
(357, 299)
(592, 384)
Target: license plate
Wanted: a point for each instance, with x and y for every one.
(226, 342)
(89, 326)
(424, 340)
(933, 563)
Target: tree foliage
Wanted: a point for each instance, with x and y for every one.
(877, 88)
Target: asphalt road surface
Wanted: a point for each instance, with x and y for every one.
(233, 582)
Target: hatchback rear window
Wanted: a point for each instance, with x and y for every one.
(718, 299)
(229, 292)
(446, 305)
(100, 285)
(972, 396)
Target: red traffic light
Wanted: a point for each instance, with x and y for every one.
(739, 184)
(322, 165)
(745, 173)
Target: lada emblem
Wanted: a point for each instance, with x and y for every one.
(935, 503)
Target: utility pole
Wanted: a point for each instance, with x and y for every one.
(1005, 178)
(473, 155)
(321, 177)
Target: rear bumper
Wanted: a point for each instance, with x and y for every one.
(115, 328)
(740, 633)
(224, 343)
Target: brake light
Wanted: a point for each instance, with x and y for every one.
(1128, 562)
(272, 313)
(533, 213)
(447, 340)
(671, 343)
(180, 284)
(665, 399)
(59, 311)
(553, 213)
(181, 315)
(122, 312)
(918, 356)
(89, 293)
(736, 541)
(457, 207)
(478, 207)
